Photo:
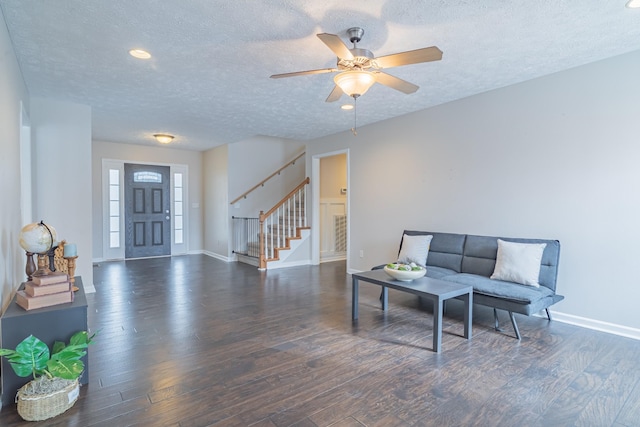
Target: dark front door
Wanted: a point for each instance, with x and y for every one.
(147, 216)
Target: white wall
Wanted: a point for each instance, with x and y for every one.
(216, 196)
(556, 157)
(333, 173)
(150, 155)
(12, 92)
(62, 174)
(253, 160)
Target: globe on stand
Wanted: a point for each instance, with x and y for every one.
(37, 238)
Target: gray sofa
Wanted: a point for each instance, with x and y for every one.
(470, 260)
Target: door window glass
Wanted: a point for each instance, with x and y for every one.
(147, 176)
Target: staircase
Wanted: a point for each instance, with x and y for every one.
(267, 241)
(283, 226)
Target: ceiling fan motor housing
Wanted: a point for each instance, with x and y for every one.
(362, 60)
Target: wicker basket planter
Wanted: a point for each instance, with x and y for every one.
(38, 407)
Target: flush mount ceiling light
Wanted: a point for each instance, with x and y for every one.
(163, 138)
(347, 107)
(140, 53)
(633, 4)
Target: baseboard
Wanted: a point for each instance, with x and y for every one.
(333, 258)
(597, 325)
(217, 256)
(274, 265)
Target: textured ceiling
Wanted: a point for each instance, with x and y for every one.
(208, 80)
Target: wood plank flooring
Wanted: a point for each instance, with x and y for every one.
(193, 341)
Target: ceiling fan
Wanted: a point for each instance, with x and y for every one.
(359, 69)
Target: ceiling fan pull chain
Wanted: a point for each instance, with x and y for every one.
(354, 129)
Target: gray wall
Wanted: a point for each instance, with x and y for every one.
(555, 157)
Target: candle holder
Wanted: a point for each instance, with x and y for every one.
(71, 270)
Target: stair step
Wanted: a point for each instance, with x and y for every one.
(281, 230)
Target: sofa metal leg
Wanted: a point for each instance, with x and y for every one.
(548, 314)
(515, 325)
(497, 322)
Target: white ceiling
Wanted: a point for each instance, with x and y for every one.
(208, 81)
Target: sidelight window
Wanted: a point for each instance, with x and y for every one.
(114, 208)
(178, 208)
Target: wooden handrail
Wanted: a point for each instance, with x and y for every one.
(264, 216)
(261, 183)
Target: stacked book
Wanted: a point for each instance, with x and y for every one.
(45, 291)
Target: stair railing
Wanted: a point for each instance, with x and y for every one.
(282, 222)
(261, 183)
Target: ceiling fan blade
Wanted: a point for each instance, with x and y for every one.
(395, 83)
(426, 54)
(335, 94)
(336, 44)
(302, 73)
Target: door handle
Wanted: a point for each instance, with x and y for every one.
(167, 217)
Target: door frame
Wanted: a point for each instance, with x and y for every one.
(315, 202)
(109, 253)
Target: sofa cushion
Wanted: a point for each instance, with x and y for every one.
(518, 262)
(445, 251)
(415, 249)
(506, 290)
(439, 272)
(480, 255)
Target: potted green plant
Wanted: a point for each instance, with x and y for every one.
(54, 387)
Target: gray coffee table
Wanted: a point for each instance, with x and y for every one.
(436, 290)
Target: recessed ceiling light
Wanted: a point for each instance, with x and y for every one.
(347, 107)
(633, 4)
(140, 54)
(163, 138)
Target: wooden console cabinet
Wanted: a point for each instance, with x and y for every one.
(49, 324)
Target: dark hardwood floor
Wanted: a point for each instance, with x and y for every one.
(193, 341)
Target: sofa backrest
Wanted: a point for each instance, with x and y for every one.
(465, 253)
(445, 251)
(480, 257)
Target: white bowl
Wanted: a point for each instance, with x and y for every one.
(405, 276)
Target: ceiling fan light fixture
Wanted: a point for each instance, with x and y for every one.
(355, 83)
(633, 4)
(163, 138)
(347, 106)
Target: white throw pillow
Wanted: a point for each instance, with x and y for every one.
(518, 262)
(415, 249)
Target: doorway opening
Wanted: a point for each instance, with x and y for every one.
(330, 221)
